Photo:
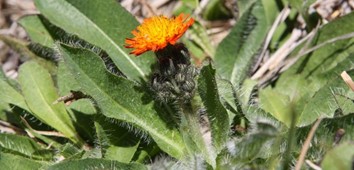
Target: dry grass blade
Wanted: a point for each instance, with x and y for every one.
(347, 79)
(343, 37)
(280, 18)
(286, 64)
(6, 127)
(306, 145)
(280, 54)
(312, 165)
(302, 53)
(45, 133)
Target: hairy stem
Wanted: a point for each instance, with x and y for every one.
(191, 132)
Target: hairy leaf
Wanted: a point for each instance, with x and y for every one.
(91, 164)
(333, 97)
(105, 26)
(341, 157)
(10, 95)
(37, 30)
(116, 142)
(256, 144)
(39, 92)
(218, 116)
(237, 52)
(330, 133)
(18, 144)
(14, 162)
(120, 98)
(313, 86)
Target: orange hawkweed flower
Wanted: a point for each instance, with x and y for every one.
(157, 32)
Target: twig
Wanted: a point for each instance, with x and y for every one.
(338, 136)
(72, 96)
(9, 128)
(306, 145)
(45, 133)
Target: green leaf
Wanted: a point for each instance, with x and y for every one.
(236, 53)
(14, 162)
(18, 144)
(80, 110)
(199, 37)
(10, 95)
(218, 116)
(296, 3)
(21, 47)
(283, 103)
(216, 10)
(37, 30)
(227, 94)
(327, 134)
(39, 92)
(24, 146)
(103, 24)
(309, 100)
(196, 51)
(82, 113)
(91, 164)
(121, 154)
(10, 81)
(4, 110)
(43, 36)
(65, 80)
(256, 144)
(146, 152)
(246, 92)
(120, 99)
(341, 157)
(93, 153)
(84, 106)
(193, 137)
(116, 142)
(17, 45)
(231, 101)
(327, 57)
(271, 9)
(277, 104)
(68, 151)
(332, 97)
(313, 85)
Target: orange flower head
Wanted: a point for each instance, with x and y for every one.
(157, 32)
